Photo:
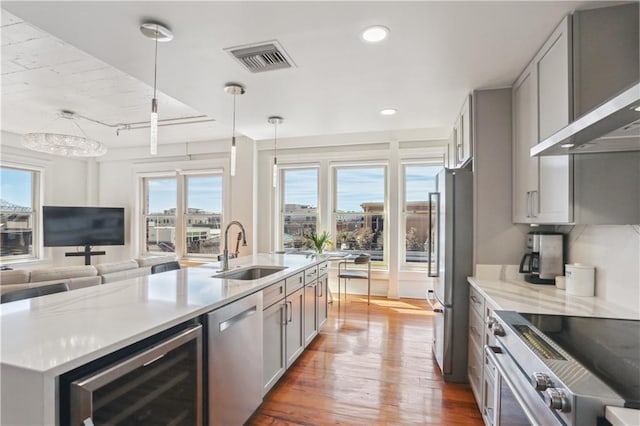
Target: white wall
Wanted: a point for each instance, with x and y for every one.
(65, 181)
(614, 250)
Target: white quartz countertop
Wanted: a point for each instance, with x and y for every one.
(56, 333)
(546, 299)
(619, 416)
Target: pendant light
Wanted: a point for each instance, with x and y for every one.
(233, 89)
(156, 32)
(275, 120)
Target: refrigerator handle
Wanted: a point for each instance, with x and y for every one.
(435, 305)
(433, 195)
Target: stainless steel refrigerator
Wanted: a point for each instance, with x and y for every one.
(450, 263)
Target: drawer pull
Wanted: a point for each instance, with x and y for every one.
(474, 299)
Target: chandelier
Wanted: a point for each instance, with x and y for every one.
(74, 143)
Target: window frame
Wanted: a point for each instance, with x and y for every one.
(182, 216)
(404, 212)
(278, 238)
(334, 167)
(145, 214)
(37, 198)
(184, 177)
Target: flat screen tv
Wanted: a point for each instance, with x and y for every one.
(83, 226)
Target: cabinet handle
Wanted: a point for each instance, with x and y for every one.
(534, 204)
(528, 203)
(290, 311)
(474, 330)
(286, 309)
(320, 290)
(474, 299)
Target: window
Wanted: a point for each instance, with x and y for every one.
(360, 210)
(298, 206)
(18, 220)
(160, 214)
(188, 226)
(203, 215)
(419, 180)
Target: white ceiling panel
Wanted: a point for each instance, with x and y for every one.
(437, 52)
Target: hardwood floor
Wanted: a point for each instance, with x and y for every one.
(369, 365)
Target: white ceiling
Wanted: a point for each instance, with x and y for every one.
(98, 64)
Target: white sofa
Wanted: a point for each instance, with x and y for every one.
(74, 276)
(80, 276)
(118, 271)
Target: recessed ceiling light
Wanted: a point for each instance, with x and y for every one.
(388, 111)
(637, 108)
(375, 33)
(567, 145)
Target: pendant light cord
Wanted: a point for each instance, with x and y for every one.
(234, 115)
(275, 140)
(155, 65)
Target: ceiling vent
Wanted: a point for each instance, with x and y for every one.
(267, 56)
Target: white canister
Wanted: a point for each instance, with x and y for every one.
(580, 280)
(561, 282)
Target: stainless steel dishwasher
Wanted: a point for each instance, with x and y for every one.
(235, 361)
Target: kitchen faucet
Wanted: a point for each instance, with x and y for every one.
(225, 253)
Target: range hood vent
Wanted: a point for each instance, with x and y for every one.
(613, 126)
(267, 56)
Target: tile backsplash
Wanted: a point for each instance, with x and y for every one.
(614, 250)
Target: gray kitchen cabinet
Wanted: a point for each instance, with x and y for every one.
(311, 301)
(542, 190)
(525, 168)
(295, 326)
(481, 378)
(283, 330)
(310, 311)
(295, 309)
(274, 344)
(461, 152)
(590, 57)
(475, 343)
(323, 300)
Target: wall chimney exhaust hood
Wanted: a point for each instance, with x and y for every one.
(613, 126)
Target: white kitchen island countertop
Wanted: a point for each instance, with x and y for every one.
(546, 299)
(44, 337)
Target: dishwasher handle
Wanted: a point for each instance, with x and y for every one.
(226, 324)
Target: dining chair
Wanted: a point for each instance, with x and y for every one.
(28, 293)
(164, 267)
(355, 273)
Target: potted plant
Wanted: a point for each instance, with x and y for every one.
(318, 242)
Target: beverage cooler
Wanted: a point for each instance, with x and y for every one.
(157, 381)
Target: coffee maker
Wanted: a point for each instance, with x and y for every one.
(544, 258)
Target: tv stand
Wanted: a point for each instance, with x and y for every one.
(87, 253)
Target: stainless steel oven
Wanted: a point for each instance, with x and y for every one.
(158, 384)
(539, 381)
(513, 402)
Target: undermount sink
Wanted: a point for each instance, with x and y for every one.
(251, 273)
